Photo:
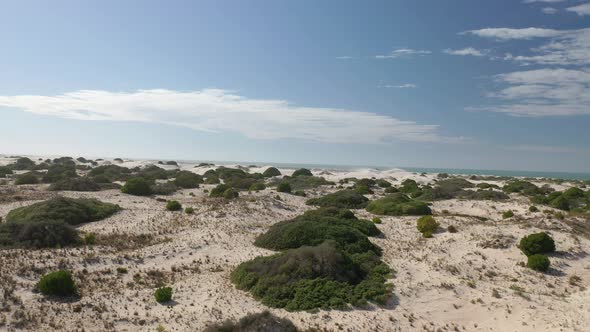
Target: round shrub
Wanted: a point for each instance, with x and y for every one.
(383, 183)
(271, 172)
(90, 238)
(257, 186)
(533, 208)
(398, 204)
(452, 229)
(230, 193)
(538, 262)
(427, 226)
(166, 188)
(391, 190)
(75, 184)
(261, 322)
(4, 170)
(26, 178)
(302, 172)
(163, 294)
(173, 206)
(188, 180)
(284, 187)
(137, 186)
(363, 189)
(537, 243)
(507, 214)
(349, 199)
(189, 210)
(59, 283)
(377, 220)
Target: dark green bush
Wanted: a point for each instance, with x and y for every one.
(69, 210)
(284, 187)
(260, 322)
(271, 172)
(163, 294)
(257, 186)
(391, 190)
(302, 172)
(59, 283)
(533, 208)
(173, 206)
(507, 214)
(219, 190)
(189, 210)
(427, 225)
(89, 238)
(60, 172)
(376, 220)
(537, 243)
(487, 186)
(230, 193)
(241, 183)
(153, 173)
(109, 173)
(137, 186)
(213, 179)
(524, 187)
(167, 188)
(398, 204)
(22, 164)
(489, 195)
(4, 170)
(27, 178)
(75, 184)
(383, 183)
(188, 180)
(409, 186)
(538, 262)
(349, 199)
(362, 189)
(299, 193)
(37, 234)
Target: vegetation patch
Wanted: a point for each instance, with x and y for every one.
(398, 204)
(59, 283)
(27, 178)
(302, 172)
(259, 322)
(427, 226)
(187, 180)
(537, 243)
(137, 186)
(75, 184)
(173, 206)
(271, 172)
(163, 294)
(573, 199)
(538, 262)
(349, 199)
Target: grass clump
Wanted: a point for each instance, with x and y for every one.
(173, 206)
(398, 204)
(538, 262)
(27, 178)
(537, 243)
(533, 208)
(163, 294)
(259, 322)
(137, 186)
(349, 199)
(59, 283)
(188, 180)
(376, 220)
(271, 172)
(427, 226)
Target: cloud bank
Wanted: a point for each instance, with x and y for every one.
(219, 111)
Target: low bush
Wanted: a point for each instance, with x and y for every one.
(60, 171)
(257, 186)
(398, 204)
(219, 190)
(271, 172)
(349, 199)
(38, 234)
(507, 214)
(485, 185)
(533, 208)
(173, 206)
(383, 183)
(75, 184)
(377, 220)
(166, 188)
(452, 229)
(259, 322)
(538, 262)
(391, 190)
(284, 187)
(89, 238)
(303, 182)
(188, 180)
(427, 226)
(137, 186)
(4, 170)
(299, 193)
(537, 243)
(27, 178)
(153, 173)
(109, 173)
(410, 187)
(230, 193)
(189, 210)
(59, 283)
(523, 187)
(363, 189)
(163, 294)
(302, 172)
(22, 164)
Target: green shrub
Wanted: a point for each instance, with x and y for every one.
(284, 187)
(533, 208)
(427, 226)
(153, 172)
(299, 193)
(362, 189)
(188, 180)
(22, 164)
(409, 186)
(302, 172)
(271, 172)
(122, 270)
(260, 322)
(487, 186)
(241, 183)
(137, 186)
(173, 206)
(257, 186)
(26, 178)
(538, 262)
(59, 283)
(75, 184)
(4, 170)
(349, 199)
(524, 187)
(377, 220)
(60, 172)
(230, 194)
(452, 229)
(163, 294)
(391, 190)
(69, 210)
(383, 183)
(37, 234)
(507, 214)
(214, 179)
(537, 243)
(90, 238)
(398, 204)
(219, 190)
(167, 188)
(109, 173)
(189, 210)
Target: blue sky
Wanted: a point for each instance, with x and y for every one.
(495, 84)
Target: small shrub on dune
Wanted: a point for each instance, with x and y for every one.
(284, 187)
(241, 183)
(219, 190)
(299, 193)
(59, 283)
(538, 262)
(188, 180)
(173, 206)
(213, 179)
(347, 198)
(523, 187)
(537, 243)
(230, 193)
(153, 172)
(89, 238)
(60, 172)
(260, 322)
(302, 172)
(305, 182)
(533, 208)
(257, 186)
(452, 229)
(391, 190)
(163, 294)
(22, 164)
(363, 189)
(27, 178)
(383, 183)
(271, 172)
(427, 226)
(189, 210)
(4, 170)
(507, 214)
(137, 186)
(75, 184)
(167, 188)
(377, 220)
(109, 173)
(38, 234)
(398, 204)
(409, 186)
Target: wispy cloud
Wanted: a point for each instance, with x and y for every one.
(503, 34)
(543, 92)
(403, 53)
(466, 51)
(582, 10)
(401, 86)
(344, 57)
(549, 10)
(215, 110)
(543, 1)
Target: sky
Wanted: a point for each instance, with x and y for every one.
(488, 84)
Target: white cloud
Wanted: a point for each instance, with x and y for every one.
(503, 34)
(466, 51)
(403, 52)
(344, 57)
(549, 10)
(543, 92)
(215, 110)
(583, 9)
(544, 1)
(402, 86)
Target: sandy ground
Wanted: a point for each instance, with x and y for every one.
(471, 280)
